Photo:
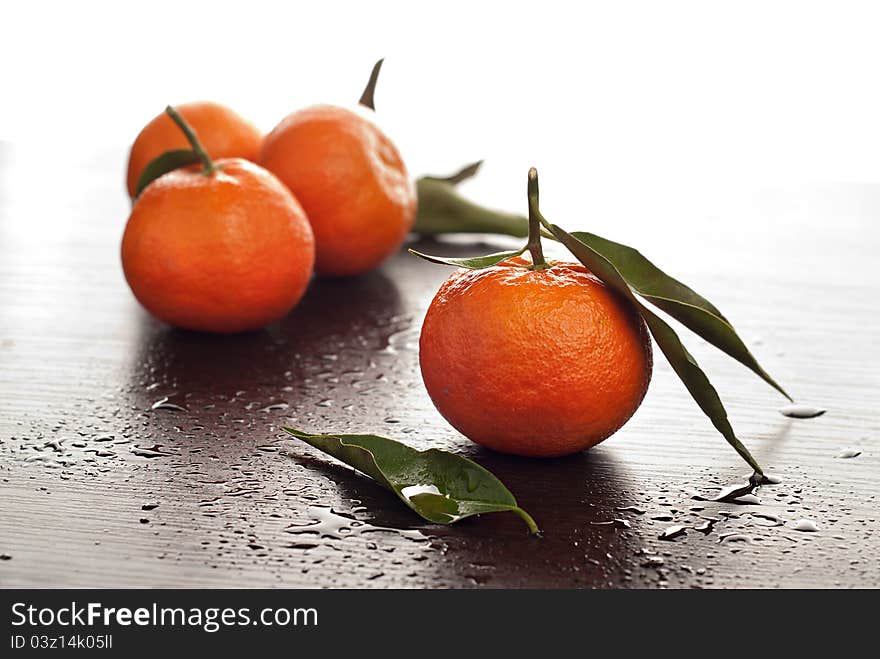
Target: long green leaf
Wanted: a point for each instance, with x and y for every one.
(442, 210)
(440, 486)
(682, 362)
(678, 300)
(473, 263)
(168, 161)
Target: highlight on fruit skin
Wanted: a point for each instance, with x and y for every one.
(223, 249)
(531, 362)
(223, 133)
(350, 179)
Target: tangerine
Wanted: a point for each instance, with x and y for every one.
(534, 362)
(533, 358)
(223, 133)
(350, 179)
(223, 249)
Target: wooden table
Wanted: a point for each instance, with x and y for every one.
(82, 503)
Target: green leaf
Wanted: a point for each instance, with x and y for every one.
(167, 162)
(440, 486)
(442, 209)
(473, 263)
(463, 174)
(678, 300)
(682, 362)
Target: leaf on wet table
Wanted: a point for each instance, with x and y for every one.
(682, 362)
(440, 486)
(473, 263)
(678, 300)
(167, 162)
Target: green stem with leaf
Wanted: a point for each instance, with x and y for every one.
(621, 268)
(208, 166)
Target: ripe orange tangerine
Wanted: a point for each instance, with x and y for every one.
(350, 179)
(531, 357)
(223, 249)
(534, 362)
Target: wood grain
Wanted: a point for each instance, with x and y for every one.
(81, 366)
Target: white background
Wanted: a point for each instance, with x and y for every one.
(628, 109)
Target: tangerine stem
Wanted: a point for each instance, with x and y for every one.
(208, 166)
(367, 97)
(534, 243)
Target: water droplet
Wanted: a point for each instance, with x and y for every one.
(331, 525)
(163, 404)
(805, 525)
(411, 491)
(735, 537)
(776, 521)
(797, 411)
(302, 545)
(619, 523)
(473, 479)
(273, 407)
(40, 457)
(740, 493)
(672, 533)
(663, 517)
(652, 561)
(405, 340)
(848, 453)
(148, 452)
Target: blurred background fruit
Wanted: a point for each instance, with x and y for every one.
(223, 133)
(351, 181)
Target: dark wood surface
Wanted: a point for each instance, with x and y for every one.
(81, 366)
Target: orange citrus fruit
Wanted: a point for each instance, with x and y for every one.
(351, 181)
(223, 249)
(534, 362)
(223, 133)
